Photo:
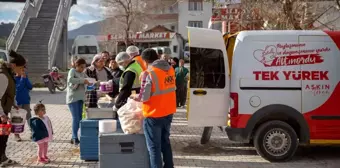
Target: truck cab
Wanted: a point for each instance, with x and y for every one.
(279, 89)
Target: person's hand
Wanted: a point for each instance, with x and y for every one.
(15, 107)
(134, 97)
(23, 75)
(86, 82)
(114, 108)
(4, 119)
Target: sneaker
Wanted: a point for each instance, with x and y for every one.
(47, 159)
(75, 141)
(43, 161)
(17, 137)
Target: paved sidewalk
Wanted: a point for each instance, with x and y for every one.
(220, 152)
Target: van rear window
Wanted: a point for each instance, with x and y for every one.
(87, 50)
(207, 69)
(3, 56)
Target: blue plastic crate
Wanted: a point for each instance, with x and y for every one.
(89, 129)
(89, 148)
(89, 140)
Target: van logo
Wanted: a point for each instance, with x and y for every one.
(288, 54)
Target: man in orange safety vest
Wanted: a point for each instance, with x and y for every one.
(159, 105)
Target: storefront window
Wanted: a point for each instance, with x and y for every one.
(175, 49)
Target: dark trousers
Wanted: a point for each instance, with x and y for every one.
(157, 135)
(3, 145)
(181, 94)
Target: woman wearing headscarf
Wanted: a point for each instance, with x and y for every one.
(7, 96)
(98, 71)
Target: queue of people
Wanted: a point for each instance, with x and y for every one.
(154, 79)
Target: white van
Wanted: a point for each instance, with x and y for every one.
(163, 50)
(85, 46)
(284, 87)
(4, 55)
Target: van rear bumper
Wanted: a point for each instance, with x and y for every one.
(238, 134)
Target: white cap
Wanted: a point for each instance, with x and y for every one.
(132, 51)
(122, 56)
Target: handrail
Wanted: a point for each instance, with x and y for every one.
(63, 12)
(18, 30)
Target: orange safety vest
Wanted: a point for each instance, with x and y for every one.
(140, 62)
(163, 93)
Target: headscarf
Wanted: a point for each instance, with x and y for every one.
(95, 59)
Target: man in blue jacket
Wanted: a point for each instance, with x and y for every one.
(23, 88)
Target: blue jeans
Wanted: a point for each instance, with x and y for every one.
(76, 109)
(157, 135)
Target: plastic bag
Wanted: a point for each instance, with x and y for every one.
(18, 119)
(131, 117)
(5, 129)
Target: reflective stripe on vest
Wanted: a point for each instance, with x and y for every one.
(135, 68)
(163, 93)
(140, 61)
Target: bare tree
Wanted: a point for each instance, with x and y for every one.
(287, 14)
(129, 15)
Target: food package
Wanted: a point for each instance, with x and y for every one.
(106, 87)
(105, 102)
(131, 117)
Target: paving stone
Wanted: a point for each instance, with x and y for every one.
(188, 152)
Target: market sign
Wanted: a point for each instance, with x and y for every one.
(143, 36)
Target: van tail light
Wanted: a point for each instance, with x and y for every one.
(234, 108)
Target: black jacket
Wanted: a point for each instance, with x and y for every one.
(116, 73)
(125, 92)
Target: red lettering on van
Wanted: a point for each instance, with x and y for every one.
(287, 74)
(297, 60)
(271, 56)
(291, 75)
(318, 89)
(306, 75)
(257, 75)
(266, 75)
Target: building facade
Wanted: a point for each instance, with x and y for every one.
(172, 17)
(193, 13)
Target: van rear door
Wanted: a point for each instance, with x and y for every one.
(209, 81)
(320, 87)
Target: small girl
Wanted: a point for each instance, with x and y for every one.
(41, 131)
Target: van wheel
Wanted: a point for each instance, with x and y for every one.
(276, 141)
